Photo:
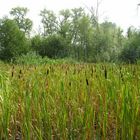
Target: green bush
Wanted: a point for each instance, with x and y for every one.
(32, 58)
(53, 46)
(131, 51)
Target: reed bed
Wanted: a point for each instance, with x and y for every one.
(70, 102)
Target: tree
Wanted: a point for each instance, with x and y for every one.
(76, 15)
(64, 29)
(12, 40)
(49, 21)
(113, 40)
(64, 23)
(85, 32)
(24, 23)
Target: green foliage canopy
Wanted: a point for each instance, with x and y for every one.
(12, 40)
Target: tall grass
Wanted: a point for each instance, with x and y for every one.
(70, 102)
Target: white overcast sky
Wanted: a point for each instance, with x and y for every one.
(123, 12)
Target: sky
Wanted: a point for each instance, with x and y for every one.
(124, 13)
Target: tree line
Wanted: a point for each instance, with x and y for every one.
(72, 33)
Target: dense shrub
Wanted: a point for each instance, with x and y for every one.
(131, 51)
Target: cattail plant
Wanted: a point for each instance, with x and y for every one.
(70, 102)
